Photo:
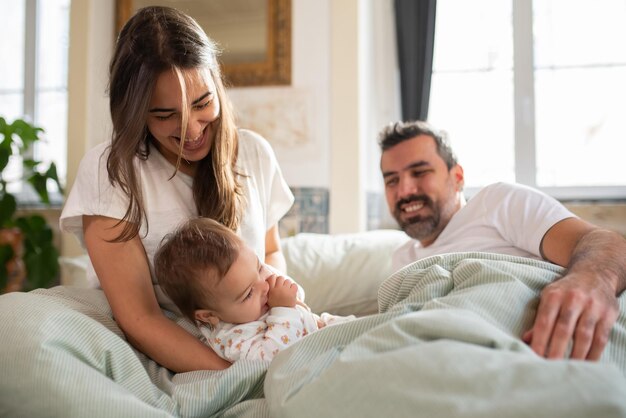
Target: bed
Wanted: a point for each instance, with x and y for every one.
(437, 338)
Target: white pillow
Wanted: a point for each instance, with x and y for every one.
(74, 271)
(341, 274)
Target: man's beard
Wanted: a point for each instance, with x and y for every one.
(418, 227)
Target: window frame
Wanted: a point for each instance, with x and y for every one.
(524, 118)
(524, 108)
(26, 197)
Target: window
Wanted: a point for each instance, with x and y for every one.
(33, 77)
(533, 92)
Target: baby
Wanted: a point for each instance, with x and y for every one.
(243, 309)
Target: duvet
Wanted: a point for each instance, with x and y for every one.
(445, 343)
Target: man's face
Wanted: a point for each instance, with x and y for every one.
(422, 194)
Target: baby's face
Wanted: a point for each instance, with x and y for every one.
(242, 294)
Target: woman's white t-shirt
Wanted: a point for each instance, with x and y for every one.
(502, 218)
(168, 200)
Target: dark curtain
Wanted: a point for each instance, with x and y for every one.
(415, 29)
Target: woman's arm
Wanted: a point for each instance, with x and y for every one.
(273, 254)
(124, 275)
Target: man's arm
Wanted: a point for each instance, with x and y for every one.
(582, 306)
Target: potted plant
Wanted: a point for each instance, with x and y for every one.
(28, 257)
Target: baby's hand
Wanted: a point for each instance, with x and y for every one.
(282, 292)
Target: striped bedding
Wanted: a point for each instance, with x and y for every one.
(445, 344)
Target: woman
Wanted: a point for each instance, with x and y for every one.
(175, 154)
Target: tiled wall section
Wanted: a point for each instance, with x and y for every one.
(378, 216)
(309, 212)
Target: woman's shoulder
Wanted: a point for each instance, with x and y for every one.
(252, 141)
(255, 152)
(95, 152)
(95, 158)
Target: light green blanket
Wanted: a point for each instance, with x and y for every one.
(62, 355)
(445, 345)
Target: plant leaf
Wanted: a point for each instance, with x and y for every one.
(7, 133)
(38, 181)
(4, 157)
(40, 255)
(6, 253)
(30, 163)
(7, 209)
(42, 267)
(27, 132)
(52, 174)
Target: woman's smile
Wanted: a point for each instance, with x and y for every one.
(192, 144)
(166, 115)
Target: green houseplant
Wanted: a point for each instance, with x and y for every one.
(30, 250)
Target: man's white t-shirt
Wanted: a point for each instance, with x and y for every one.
(169, 200)
(502, 218)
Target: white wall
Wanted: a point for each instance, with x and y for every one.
(315, 125)
(91, 41)
(344, 88)
(296, 118)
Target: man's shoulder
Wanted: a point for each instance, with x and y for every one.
(492, 199)
(502, 189)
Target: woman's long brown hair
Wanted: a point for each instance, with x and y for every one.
(154, 40)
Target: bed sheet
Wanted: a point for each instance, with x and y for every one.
(63, 355)
(446, 343)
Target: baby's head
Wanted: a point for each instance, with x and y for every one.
(211, 275)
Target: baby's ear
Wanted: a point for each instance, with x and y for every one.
(206, 317)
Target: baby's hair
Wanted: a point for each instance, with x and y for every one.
(200, 249)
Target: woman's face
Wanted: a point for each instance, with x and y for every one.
(165, 116)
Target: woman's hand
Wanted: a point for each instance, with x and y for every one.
(282, 292)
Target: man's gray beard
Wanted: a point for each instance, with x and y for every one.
(420, 228)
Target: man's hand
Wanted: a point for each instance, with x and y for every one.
(282, 292)
(582, 306)
(578, 308)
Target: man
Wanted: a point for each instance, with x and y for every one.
(423, 187)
